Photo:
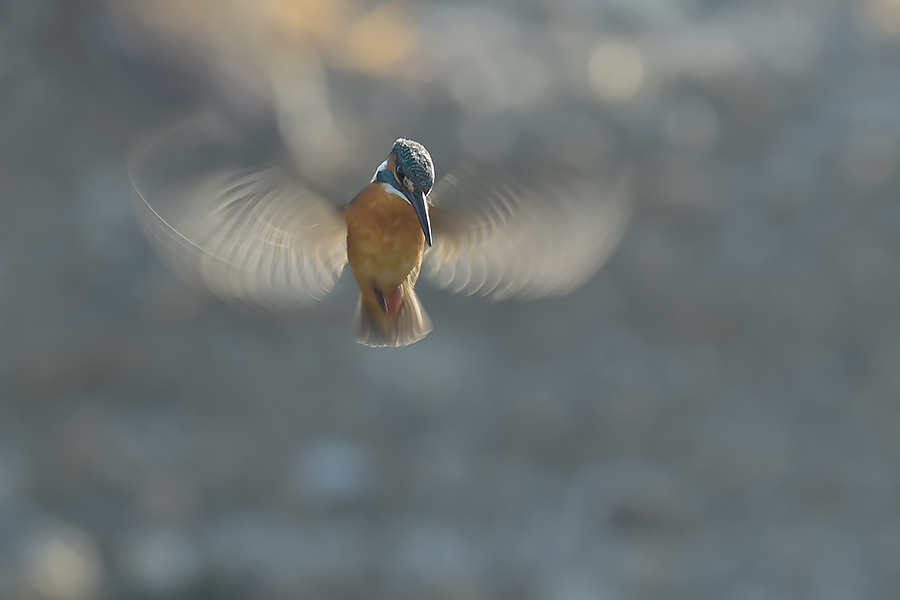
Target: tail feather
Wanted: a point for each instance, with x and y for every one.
(412, 325)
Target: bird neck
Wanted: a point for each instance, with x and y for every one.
(385, 176)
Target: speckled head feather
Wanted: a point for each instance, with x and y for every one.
(414, 160)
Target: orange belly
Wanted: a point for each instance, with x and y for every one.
(385, 244)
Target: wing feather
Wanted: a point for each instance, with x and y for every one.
(253, 236)
(497, 238)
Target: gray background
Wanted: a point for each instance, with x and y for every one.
(715, 415)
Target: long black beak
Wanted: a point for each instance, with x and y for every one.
(417, 199)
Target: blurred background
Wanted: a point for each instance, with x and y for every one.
(715, 415)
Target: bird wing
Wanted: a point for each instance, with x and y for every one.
(497, 238)
(252, 236)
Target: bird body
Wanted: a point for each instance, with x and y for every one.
(385, 248)
(254, 234)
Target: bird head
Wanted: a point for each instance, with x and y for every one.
(409, 170)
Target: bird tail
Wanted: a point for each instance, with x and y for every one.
(411, 326)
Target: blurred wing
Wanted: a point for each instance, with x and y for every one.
(252, 236)
(500, 239)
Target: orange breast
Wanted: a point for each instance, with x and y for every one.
(385, 242)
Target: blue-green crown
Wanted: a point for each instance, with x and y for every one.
(414, 162)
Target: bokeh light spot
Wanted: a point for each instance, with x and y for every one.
(884, 16)
(616, 70)
(65, 565)
(379, 40)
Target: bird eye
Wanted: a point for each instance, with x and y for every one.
(401, 176)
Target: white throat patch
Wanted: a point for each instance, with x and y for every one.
(392, 190)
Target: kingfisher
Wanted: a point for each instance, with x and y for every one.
(257, 235)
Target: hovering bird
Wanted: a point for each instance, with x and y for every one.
(257, 235)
